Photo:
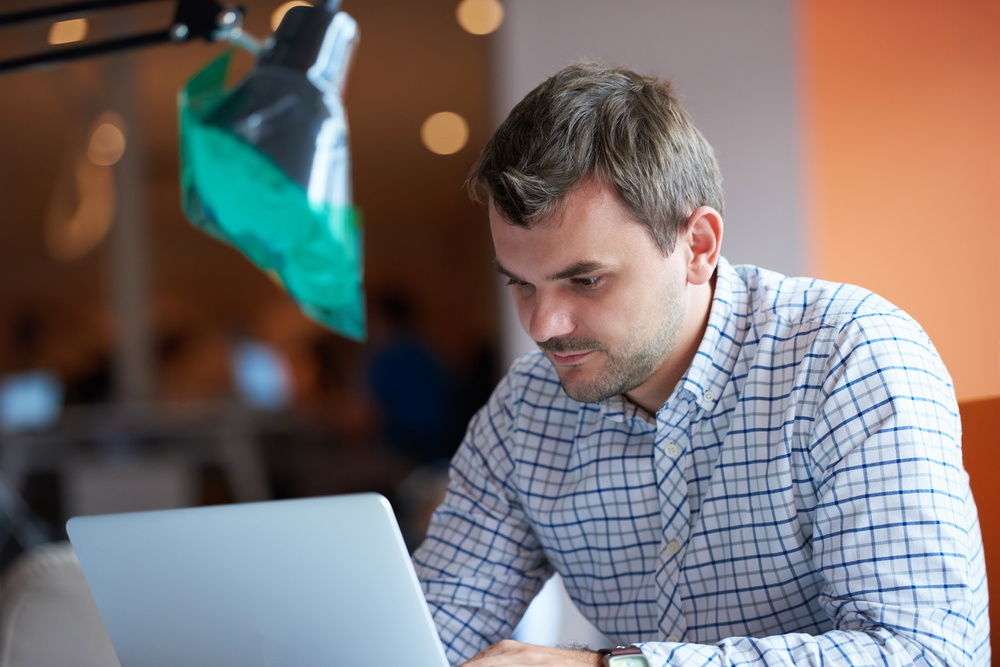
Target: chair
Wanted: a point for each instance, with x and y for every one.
(47, 615)
(981, 453)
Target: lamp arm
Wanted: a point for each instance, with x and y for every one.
(75, 53)
(192, 18)
(65, 10)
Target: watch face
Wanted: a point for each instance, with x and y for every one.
(626, 661)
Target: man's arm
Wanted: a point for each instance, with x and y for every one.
(480, 564)
(510, 653)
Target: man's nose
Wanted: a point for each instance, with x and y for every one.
(549, 317)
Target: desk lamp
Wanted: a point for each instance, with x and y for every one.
(265, 166)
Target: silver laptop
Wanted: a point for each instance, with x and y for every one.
(314, 581)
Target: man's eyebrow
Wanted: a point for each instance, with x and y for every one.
(504, 272)
(577, 269)
(571, 271)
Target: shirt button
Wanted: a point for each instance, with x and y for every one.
(709, 396)
(673, 638)
(672, 449)
(673, 546)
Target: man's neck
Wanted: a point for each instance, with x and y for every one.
(651, 395)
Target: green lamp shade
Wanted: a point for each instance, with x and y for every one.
(238, 193)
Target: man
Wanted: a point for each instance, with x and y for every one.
(727, 466)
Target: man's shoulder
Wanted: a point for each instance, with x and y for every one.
(531, 390)
(529, 399)
(812, 301)
(531, 377)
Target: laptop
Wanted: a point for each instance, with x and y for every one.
(300, 582)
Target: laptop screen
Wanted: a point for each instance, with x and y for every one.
(304, 582)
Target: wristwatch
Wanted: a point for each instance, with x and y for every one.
(623, 656)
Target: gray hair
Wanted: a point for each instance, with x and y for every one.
(608, 123)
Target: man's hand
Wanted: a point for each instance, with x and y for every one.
(509, 653)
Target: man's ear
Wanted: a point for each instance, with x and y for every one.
(703, 237)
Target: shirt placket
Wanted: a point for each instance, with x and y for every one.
(672, 457)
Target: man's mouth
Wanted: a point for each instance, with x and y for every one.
(570, 351)
(569, 359)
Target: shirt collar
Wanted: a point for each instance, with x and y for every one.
(716, 357)
(618, 408)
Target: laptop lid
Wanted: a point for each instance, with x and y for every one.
(301, 582)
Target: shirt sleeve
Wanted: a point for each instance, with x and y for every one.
(480, 564)
(895, 533)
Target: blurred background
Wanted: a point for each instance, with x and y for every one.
(144, 364)
(155, 333)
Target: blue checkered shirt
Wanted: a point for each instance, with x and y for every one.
(799, 499)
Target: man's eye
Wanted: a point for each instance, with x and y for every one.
(587, 283)
(519, 285)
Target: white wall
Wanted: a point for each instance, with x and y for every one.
(731, 62)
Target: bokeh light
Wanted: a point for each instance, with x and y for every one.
(107, 140)
(479, 17)
(280, 12)
(445, 133)
(67, 32)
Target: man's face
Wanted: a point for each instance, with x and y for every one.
(597, 295)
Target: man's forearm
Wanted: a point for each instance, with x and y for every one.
(509, 653)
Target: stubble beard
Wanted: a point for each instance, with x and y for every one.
(625, 370)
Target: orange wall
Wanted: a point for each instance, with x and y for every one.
(902, 137)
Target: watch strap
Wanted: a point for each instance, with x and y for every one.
(620, 650)
(623, 656)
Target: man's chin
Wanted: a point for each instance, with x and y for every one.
(584, 392)
(590, 387)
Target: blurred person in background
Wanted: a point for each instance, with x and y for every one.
(412, 388)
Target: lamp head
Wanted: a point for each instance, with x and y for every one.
(266, 166)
